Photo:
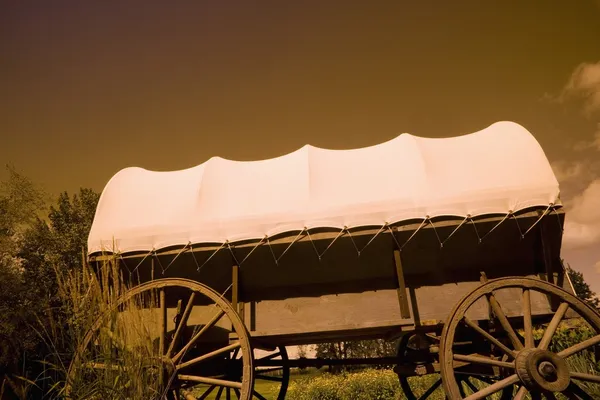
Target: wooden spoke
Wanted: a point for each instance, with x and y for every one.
(211, 381)
(490, 338)
(269, 378)
(521, 393)
(570, 395)
(270, 356)
(163, 322)
(218, 396)
(432, 389)
(504, 322)
(237, 393)
(577, 392)
(527, 322)
(205, 394)
(558, 316)
(258, 395)
(191, 343)
(496, 387)
(483, 361)
(411, 389)
(579, 347)
(281, 379)
(209, 355)
(182, 324)
(585, 377)
(433, 337)
(235, 353)
(228, 394)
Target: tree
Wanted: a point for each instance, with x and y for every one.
(20, 202)
(33, 242)
(355, 349)
(582, 289)
(58, 241)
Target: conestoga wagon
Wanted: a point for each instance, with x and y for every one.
(452, 245)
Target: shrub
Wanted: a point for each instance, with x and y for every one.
(368, 384)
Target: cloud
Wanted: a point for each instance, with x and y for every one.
(589, 144)
(584, 84)
(597, 267)
(582, 226)
(575, 176)
(566, 171)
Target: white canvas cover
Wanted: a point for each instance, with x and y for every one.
(496, 170)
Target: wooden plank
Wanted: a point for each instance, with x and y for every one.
(546, 256)
(235, 287)
(402, 300)
(546, 253)
(238, 305)
(328, 312)
(325, 336)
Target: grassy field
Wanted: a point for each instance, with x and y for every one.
(267, 389)
(298, 382)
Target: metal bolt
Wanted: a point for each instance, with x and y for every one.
(547, 369)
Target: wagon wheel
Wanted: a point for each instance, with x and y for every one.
(524, 366)
(414, 349)
(272, 367)
(125, 349)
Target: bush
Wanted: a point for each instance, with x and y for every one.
(369, 384)
(586, 362)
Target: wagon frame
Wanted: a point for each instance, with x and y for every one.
(461, 294)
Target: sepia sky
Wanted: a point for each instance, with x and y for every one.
(90, 87)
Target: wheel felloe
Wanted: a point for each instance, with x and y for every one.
(505, 351)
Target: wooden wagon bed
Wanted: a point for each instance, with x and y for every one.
(452, 242)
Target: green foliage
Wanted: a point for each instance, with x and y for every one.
(370, 384)
(20, 200)
(60, 240)
(582, 289)
(355, 349)
(570, 334)
(33, 242)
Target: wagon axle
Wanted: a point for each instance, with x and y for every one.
(547, 370)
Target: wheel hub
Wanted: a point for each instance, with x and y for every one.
(547, 370)
(542, 369)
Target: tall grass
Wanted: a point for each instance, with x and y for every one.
(101, 350)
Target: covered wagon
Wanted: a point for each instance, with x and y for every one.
(452, 245)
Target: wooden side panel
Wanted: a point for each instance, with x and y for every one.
(343, 291)
(349, 311)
